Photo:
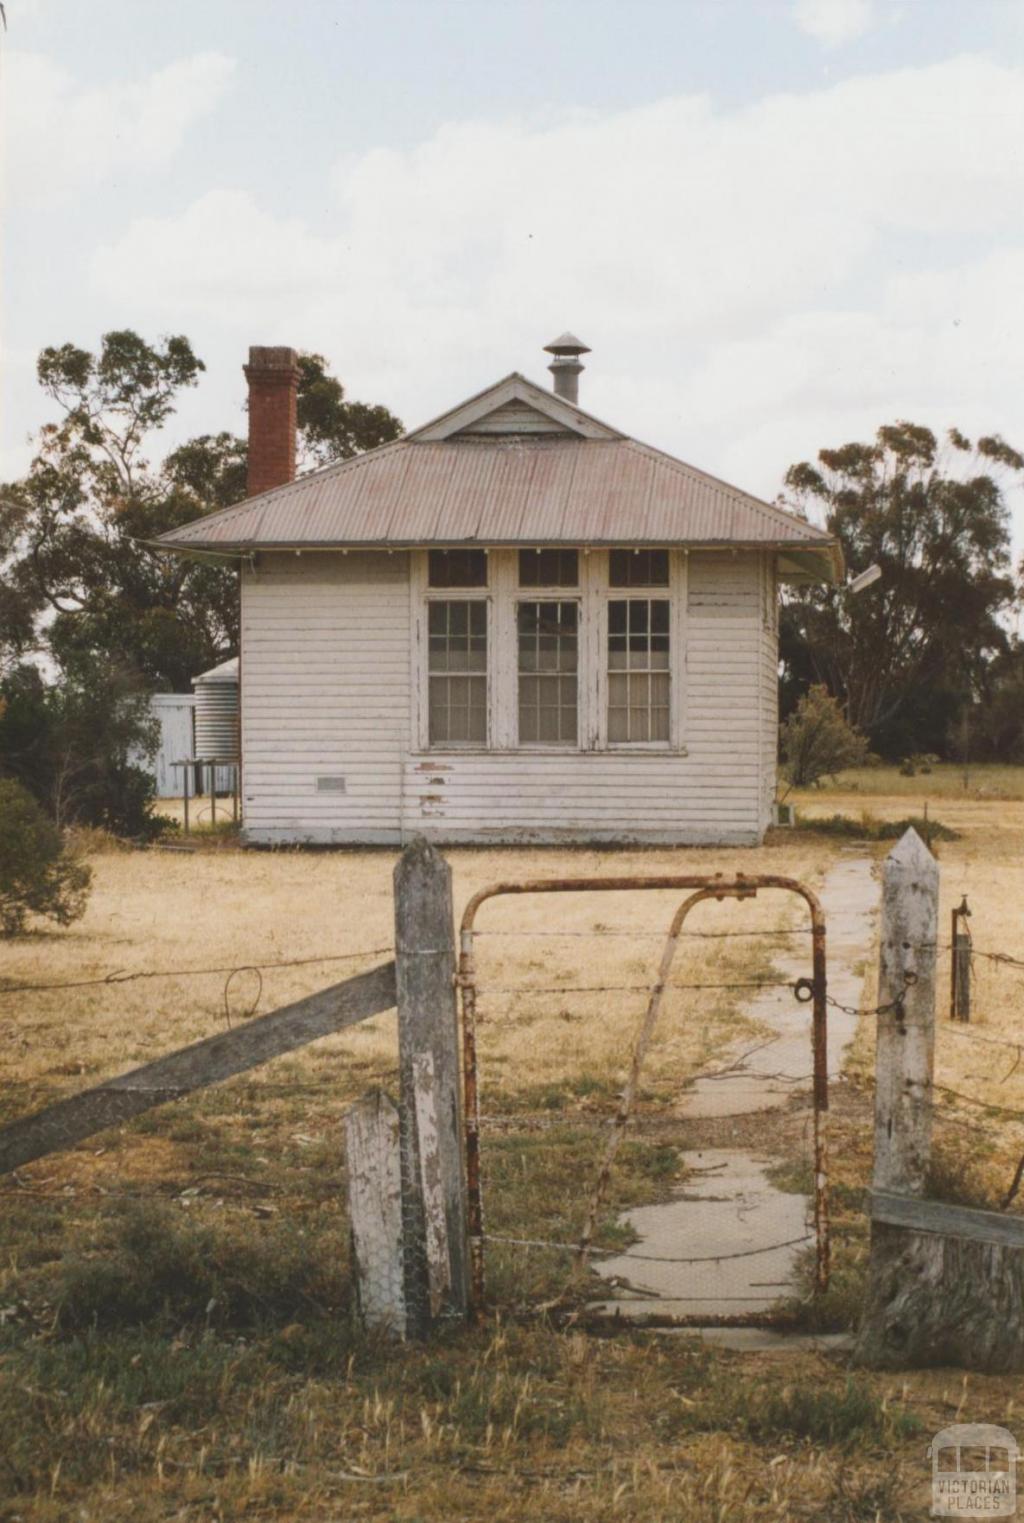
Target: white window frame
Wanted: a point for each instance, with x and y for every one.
(502, 595)
(423, 595)
(675, 595)
(552, 595)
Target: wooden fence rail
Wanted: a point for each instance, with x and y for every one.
(203, 1063)
(407, 1196)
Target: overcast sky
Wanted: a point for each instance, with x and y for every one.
(778, 223)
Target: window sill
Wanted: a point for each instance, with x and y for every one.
(620, 748)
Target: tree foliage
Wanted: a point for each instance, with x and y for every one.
(80, 580)
(992, 728)
(79, 745)
(81, 589)
(903, 656)
(816, 741)
(38, 875)
(330, 428)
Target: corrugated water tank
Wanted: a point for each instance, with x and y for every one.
(217, 711)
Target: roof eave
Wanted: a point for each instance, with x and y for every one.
(803, 562)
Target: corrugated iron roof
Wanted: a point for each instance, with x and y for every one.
(506, 490)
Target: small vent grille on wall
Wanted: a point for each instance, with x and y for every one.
(330, 785)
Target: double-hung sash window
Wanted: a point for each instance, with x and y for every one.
(457, 651)
(548, 641)
(551, 648)
(458, 672)
(639, 676)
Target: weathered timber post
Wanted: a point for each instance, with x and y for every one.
(430, 1104)
(945, 1283)
(373, 1154)
(905, 1042)
(960, 965)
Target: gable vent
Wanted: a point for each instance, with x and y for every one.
(330, 785)
(514, 418)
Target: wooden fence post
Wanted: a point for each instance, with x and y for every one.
(945, 1282)
(905, 1050)
(960, 965)
(375, 1211)
(430, 1104)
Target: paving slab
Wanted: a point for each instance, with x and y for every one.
(770, 1071)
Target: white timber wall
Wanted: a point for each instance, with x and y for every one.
(330, 678)
(769, 690)
(325, 696)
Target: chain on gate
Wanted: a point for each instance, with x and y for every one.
(813, 990)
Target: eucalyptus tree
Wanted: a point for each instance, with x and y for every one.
(906, 654)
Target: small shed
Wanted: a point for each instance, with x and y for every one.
(515, 624)
(217, 724)
(173, 711)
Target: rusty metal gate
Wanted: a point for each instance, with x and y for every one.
(812, 990)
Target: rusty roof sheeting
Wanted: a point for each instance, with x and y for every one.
(501, 492)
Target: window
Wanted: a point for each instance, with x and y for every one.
(457, 568)
(548, 664)
(638, 669)
(638, 568)
(543, 649)
(457, 672)
(549, 568)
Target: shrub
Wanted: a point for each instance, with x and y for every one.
(918, 761)
(816, 741)
(867, 828)
(78, 744)
(38, 875)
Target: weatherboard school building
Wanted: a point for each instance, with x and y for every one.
(514, 624)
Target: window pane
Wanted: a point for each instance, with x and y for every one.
(618, 713)
(638, 568)
(548, 694)
(457, 664)
(457, 568)
(638, 670)
(549, 568)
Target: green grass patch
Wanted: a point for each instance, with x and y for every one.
(867, 828)
(161, 1267)
(980, 781)
(768, 1412)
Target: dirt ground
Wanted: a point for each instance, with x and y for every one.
(175, 1332)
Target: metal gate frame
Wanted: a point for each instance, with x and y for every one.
(714, 886)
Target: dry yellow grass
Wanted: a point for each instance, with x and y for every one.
(518, 1423)
(986, 864)
(980, 781)
(229, 908)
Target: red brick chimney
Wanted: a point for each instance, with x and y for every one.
(273, 377)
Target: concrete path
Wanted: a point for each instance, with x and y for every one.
(728, 1202)
(766, 1080)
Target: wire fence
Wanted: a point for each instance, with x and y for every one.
(122, 976)
(994, 1112)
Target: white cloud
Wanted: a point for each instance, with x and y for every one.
(755, 283)
(833, 22)
(62, 139)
